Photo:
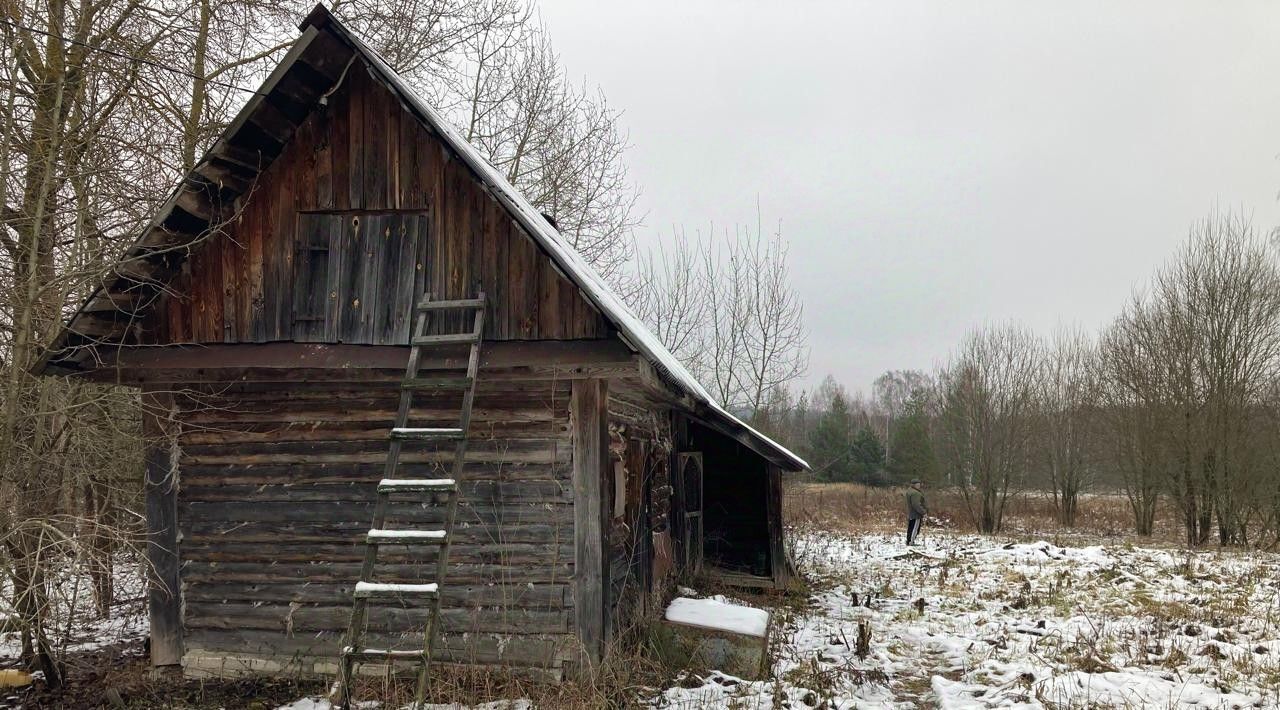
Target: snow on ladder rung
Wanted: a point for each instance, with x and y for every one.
(415, 485)
(426, 434)
(406, 537)
(365, 590)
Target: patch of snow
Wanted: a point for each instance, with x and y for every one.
(718, 615)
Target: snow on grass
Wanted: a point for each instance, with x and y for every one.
(1016, 625)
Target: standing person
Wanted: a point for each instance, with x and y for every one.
(916, 510)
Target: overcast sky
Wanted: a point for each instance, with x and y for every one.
(937, 165)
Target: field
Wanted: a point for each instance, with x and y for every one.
(1037, 617)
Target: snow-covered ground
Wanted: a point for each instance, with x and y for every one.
(74, 624)
(975, 623)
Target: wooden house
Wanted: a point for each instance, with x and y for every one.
(264, 314)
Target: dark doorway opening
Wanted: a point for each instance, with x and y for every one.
(735, 504)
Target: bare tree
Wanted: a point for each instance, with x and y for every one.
(728, 310)
(1067, 402)
(988, 393)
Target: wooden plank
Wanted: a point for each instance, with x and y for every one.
(492, 274)
(164, 595)
(404, 267)
(568, 354)
(550, 325)
(256, 327)
(358, 82)
(231, 272)
(214, 532)
(309, 282)
(338, 112)
(531, 650)
(778, 561)
(310, 618)
(492, 554)
(474, 492)
(279, 253)
(258, 572)
(271, 511)
(376, 164)
(378, 230)
(544, 596)
(335, 473)
(590, 415)
(351, 277)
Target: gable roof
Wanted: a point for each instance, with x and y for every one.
(226, 171)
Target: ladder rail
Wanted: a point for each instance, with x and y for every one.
(352, 652)
(459, 461)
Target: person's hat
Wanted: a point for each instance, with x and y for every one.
(915, 481)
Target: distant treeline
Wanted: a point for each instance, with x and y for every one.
(1176, 403)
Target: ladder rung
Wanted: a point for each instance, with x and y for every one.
(437, 383)
(415, 485)
(426, 434)
(382, 653)
(406, 537)
(365, 590)
(447, 339)
(451, 305)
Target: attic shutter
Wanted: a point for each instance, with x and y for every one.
(315, 287)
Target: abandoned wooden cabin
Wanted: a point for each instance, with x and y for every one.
(265, 316)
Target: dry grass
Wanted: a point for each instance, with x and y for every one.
(854, 508)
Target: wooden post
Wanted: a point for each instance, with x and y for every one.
(164, 594)
(589, 409)
(781, 570)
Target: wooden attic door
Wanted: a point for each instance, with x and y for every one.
(356, 276)
(689, 488)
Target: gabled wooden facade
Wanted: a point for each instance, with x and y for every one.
(265, 317)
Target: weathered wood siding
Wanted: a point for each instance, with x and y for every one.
(638, 499)
(362, 212)
(277, 489)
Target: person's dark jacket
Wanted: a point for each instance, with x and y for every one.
(916, 508)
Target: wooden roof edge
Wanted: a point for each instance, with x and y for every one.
(186, 195)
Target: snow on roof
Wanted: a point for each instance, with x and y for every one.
(719, 616)
(565, 256)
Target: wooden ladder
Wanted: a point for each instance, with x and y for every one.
(438, 490)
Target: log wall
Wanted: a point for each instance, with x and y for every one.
(276, 493)
(363, 211)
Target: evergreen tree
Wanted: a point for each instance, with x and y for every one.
(913, 454)
(831, 442)
(867, 458)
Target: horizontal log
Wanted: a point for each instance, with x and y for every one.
(327, 531)
(524, 649)
(307, 618)
(533, 451)
(289, 356)
(528, 596)
(362, 511)
(387, 383)
(323, 571)
(508, 407)
(474, 492)
(314, 473)
(316, 431)
(467, 554)
(184, 377)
